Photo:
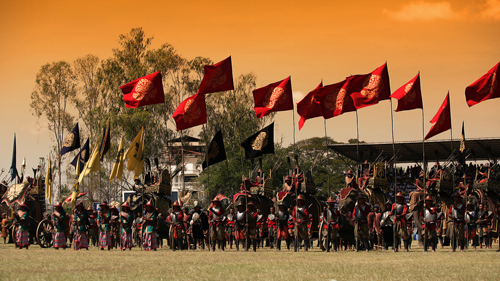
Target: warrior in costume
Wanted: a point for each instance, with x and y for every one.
(287, 186)
(366, 174)
(282, 218)
(386, 225)
(419, 183)
(297, 177)
(374, 226)
(330, 225)
(400, 209)
(199, 223)
(240, 226)
(93, 231)
(429, 214)
(271, 226)
(176, 226)
(217, 224)
(22, 235)
(230, 221)
(470, 225)
(115, 227)
(251, 225)
(360, 214)
(126, 221)
(457, 214)
(260, 229)
(484, 222)
(81, 220)
(104, 218)
(58, 218)
(349, 180)
(300, 216)
(149, 238)
(186, 218)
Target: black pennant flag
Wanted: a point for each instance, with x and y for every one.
(84, 156)
(72, 142)
(215, 151)
(105, 142)
(259, 143)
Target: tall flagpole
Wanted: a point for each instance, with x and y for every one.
(296, 246)
(327, 158)
(357, 146)
(424, 170)
(395, 175)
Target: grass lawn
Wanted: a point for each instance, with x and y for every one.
(50, 264)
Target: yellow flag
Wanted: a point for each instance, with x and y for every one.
(118, 166)
(134, 154)
(92, 165)
(48, 182)
(76, 186)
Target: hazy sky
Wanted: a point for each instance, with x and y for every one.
(451, 43)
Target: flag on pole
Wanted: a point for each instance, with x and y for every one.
(144, 91)
(118, 166)
(76, 186)
(48, 182)
(308, 107)
(82, 156)
(373, 87)
(409, 95)
(215, 151)
(217, 77)
(13, 167)
(105, 142)
(72, 142)
(273, 97)
(92, 165)
(334, 100)
(485, 88)
(442, 119)
(134, 154)
(259, 143)
(191, 112)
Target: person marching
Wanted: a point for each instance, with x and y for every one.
(240, 226)
(430, 216)
(217, 224)
(175, 220)
(484, 221)
(149, 241)
(457, 214)
(231, 220)
(282, 218)
(115, 227)
(22, 235)
(400, 209)
(330, 224)
(93, 228)
(360, 214)
(81, 219)
(58, 218)
(300, 216)
(126, 220)
(5, 228)
(471, 225)
(271, 226)
(251, 225)
(199, 223)
(103, 218)
(387, 226)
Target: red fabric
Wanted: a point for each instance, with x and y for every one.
(306, 216)
(217, 77)
(334, 99)
(273, 97)
(371, 88)
(365, 213)
(403, 215)
(485, 88)
(68, 199)
(271, 223)
(143, 91)
(335, 214)
(191, 112)
(283, 233)
(371, 220)
(409, 96)
(239, 235)
(180, 225)
(308, 107)
(442, 119)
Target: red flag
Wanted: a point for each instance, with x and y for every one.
(273, 97)
(409, 96)
(484, 88)
(334, 99)
(217, 77)
(372, 88)
(191, 112)
(442, 119)
(143, 91)
(308, 107)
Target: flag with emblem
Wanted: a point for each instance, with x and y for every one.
(82, 156)
(308, 107)
(92, 165)
(215, 151)
(217, 77)
(333, 99)
(369, 89)
(118, 166)
(191, 112)
(143, 91)
(273, 97)
(259, 143)
(134, 154)
(105, 141)
(409, 95)
(485, 88)
(13, 166)
(72, 142)
(48, 182)
(442, 119)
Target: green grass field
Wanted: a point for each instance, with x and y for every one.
(50, 264)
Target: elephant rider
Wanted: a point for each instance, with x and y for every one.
(434, 174)
(126, 221)
(176, 226)
(22, 234)
(58, 218)
(419, 183)
(271, 226)
(483, 173)
(300, 216)
(484, 223)
(330, 224)
(103, 218)
(471, 225)
(240, 225)
(251, 225)
(259, 178)
(230, 221)
(457, 214)
(366, 174)
(360, 214)
(216, 217)
(400, 209)
(349, 180)
(297, 177)
(287, 186)
(81, 219)
(282, 218)
(374, 218)
(150, 219)
(429, 213)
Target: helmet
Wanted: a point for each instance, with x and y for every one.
(399, 194)
(300, 197)
(151, 204)
(176, 204)
(288, 178)
(429, 198)
(349, 172)
(126, 205)
(330, 200)
(216, 199)
(104, 204)
(251, 203)
(366, 162)
(59, 204)
(90, 209)
(113, 207)
(23, 204)
(361, 196)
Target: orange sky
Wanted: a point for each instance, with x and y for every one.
(451, 43)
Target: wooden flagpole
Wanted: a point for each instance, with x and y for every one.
(395, 176)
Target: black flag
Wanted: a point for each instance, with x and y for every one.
(105, 142)
(461, 155)
(215, 151)
(259, 143)
(84, 156)
(72, 142)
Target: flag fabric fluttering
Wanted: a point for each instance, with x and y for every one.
(308, 107)
(409, 95)
(217, 77)
(485, 88)
(134, 154)
(48, 182)
(273, 97)
(76, 186)
(82, 156)
(259, 143)
(72, 142)
(334, 100)
(105, 141)
(462, 155)
(215, 151)
(370, 88)
(118, 166)
(191, 112)
(144, 91)
(13, 167)
(92, 165)
(442, 119)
